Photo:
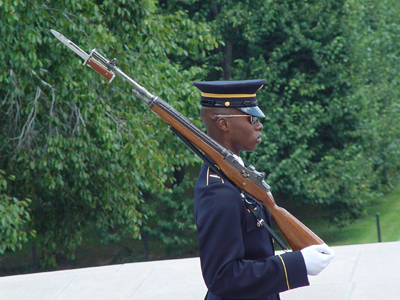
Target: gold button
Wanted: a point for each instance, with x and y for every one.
(227, 103)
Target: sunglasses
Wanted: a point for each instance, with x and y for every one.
(253, 119)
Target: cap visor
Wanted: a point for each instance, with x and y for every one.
(252, 110)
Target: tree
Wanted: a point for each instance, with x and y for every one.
(373, 34)
(317, 149)
(83, 150)
(322, 146)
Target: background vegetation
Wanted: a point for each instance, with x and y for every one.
(82, 158)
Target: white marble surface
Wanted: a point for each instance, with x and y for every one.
(367, 272)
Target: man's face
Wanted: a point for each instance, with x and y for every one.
(242, 135)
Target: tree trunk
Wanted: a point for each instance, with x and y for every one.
(34, 258)
(145, 245)
(227, 63)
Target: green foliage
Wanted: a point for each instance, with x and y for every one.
(374, 36)
(330, 137)
(13, 217)
(169, 219)
(83, 150)
(321, 144)
(311, 150)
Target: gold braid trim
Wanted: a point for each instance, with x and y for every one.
(211, 95)
(284, 268)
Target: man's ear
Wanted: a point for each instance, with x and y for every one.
(222, 124)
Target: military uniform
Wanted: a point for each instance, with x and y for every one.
(237, 257)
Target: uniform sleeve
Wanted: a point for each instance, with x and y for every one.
(226, 273)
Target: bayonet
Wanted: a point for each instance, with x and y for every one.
(88, 59)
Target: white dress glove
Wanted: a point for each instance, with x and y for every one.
(317, 258)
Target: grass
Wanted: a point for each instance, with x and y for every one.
(365, 230)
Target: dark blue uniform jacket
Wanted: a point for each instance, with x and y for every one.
(237, 257)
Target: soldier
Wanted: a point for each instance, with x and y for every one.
(237, 257)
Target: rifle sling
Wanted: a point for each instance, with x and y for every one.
(252, 206)
(248, 200)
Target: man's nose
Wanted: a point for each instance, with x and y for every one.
(258, 125)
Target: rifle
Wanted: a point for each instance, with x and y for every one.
(248, 178)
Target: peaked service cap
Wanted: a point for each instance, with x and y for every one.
(239, 94)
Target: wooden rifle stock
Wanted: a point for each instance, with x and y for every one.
(296, 233)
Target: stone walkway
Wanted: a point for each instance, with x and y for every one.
(358, 272)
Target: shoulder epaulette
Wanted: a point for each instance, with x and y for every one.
(213, 176)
